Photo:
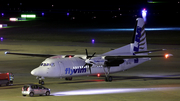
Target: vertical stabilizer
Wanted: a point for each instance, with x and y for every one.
(139, 39)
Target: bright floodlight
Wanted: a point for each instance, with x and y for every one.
(3, 25)
(13, 19)
(144, 13)
(28, 16)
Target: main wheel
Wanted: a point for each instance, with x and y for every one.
(68, 78)
(108, 79)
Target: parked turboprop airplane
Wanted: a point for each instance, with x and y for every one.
(120, 59)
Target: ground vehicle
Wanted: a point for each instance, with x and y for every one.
(6, 78)
(33, 89)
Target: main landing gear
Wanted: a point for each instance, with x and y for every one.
(68, 78)
(107, 78)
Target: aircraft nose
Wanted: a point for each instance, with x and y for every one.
(34, 72)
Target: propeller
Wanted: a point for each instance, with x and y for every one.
(88, 60)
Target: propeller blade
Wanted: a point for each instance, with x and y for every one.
(88, 58)
(90, 65)
(87, 54)
(90, 68)
(93, 54)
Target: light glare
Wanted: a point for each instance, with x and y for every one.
(110, 91)
(28, 16)
(144, 12)
(13, 19)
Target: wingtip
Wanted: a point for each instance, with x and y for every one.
(168, 55)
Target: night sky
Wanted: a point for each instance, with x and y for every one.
(101, 10)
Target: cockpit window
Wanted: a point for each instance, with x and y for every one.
(52, 64)
(47, 64)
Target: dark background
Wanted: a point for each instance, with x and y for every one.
(56, 25)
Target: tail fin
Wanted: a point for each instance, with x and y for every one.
(139, 38)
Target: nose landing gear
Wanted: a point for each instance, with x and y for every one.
(40, 80)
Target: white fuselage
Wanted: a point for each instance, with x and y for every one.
(69, 67)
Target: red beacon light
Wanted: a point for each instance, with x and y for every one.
(98, 75)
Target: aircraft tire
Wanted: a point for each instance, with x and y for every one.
(68, 78)
(41, 82)
(108, 79)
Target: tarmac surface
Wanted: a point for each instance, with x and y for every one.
(157, 79)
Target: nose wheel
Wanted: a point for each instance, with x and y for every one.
(40, 80)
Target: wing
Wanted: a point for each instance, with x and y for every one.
(29, 54)
(135, 56)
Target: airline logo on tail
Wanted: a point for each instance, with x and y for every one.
(140, 37)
